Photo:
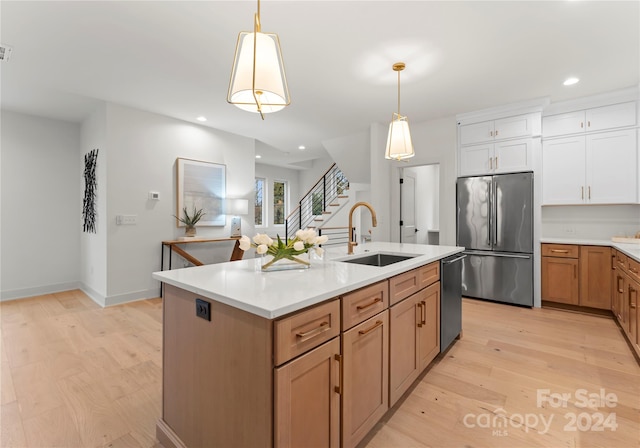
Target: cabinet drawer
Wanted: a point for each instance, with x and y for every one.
(360, 305)
(633, 268)
(305, 330)
(621, 260)
(560, 250)
(429, 274)
(403, 285)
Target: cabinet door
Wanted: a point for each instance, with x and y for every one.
(563, 170)
(512, 156)
(307, 404)
(560, 280)
(429, 332)
(476, 159)
(404, 319)
(518, 126)
(476, 133)
(595, 277)
(619, 296)
(562, 124)
(612, 168)
(613, 116)
(614, 296)
(365, 373)
(633, 312)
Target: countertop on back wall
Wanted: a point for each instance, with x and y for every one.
(630, 249)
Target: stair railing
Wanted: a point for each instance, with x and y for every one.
(317, 201)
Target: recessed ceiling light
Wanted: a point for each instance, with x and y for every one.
(570, 81)
(201, 118)
(258, 156)
(302, 147)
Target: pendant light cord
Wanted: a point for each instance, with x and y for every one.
(398, 92)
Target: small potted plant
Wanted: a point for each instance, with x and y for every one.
(190, 220)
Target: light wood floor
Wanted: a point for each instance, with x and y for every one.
(76, 375)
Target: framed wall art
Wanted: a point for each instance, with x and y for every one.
(201, 185)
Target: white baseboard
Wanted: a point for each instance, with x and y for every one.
(132, 297)
(93, 294)
(37, 291)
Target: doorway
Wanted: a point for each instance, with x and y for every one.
(420, 204)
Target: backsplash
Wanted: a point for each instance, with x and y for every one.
(590, 221)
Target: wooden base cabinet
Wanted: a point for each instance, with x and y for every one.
(307, 399)
(365, 371)
(414, 340)
(595, 277)
(577, 275)
(626, 285)
(560, 273)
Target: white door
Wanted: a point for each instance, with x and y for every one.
(408, 209)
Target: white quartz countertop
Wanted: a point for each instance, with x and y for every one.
(243, 285)
(630, 249)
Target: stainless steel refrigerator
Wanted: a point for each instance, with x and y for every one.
(495, 225)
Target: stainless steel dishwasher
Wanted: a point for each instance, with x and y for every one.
(450, 300)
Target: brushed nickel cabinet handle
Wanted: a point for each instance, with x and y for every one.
(369, 305)
(338, 388)
(319, 329)
(373, 327)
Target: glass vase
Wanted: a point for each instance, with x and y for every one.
(301, 261)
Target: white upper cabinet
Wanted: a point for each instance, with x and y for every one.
(590, 120)
(600, 168)
(511, 127)
(503, 145)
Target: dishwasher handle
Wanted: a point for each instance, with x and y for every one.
(455, 259)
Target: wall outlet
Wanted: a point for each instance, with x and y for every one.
(203, 309)
(154, 195)
(127, 220)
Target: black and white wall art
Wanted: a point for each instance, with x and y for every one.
(90, 189)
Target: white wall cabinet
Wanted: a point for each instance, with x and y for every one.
(590, 120)
(494, 158)
(504, 128)
(599, 168)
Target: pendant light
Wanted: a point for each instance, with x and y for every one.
(258, 82)
(399, 145)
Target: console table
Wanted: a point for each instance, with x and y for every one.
(173, 246)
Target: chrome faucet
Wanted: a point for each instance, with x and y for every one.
(374, 221)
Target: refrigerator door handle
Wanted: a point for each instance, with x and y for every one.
(496, 218)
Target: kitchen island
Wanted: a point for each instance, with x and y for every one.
(291, 357)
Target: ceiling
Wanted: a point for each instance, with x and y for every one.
(174, 58)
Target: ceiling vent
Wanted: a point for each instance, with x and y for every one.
(5, 52)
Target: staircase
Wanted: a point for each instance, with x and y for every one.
(321, 202)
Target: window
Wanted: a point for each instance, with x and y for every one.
(279, 200)
(259, 201)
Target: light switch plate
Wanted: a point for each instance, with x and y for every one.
(235, 226)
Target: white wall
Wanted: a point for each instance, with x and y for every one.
(308, 178)
(272, 173)
(142, 150)
(590, 221)
(41, 208)
(434, 143)
(427, 199)
(93, 246)
(351, 153)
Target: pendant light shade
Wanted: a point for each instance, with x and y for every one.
(399, 145)
(258, 82)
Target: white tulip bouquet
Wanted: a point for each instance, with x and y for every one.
(280, 250)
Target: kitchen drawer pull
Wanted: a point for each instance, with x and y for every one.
(559, 251)
(368, 330)
(369, 305)
(620, 290)
(419, 305)
(424, 312)
(338, 388)
(324, 326)
(632, 305)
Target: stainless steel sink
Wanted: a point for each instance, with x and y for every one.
(379, 259)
